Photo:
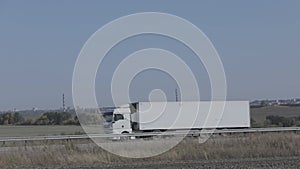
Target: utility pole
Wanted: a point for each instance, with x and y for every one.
(63, 102)
(176, 95)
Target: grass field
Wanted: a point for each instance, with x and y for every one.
(19, 131)
(220, 147)
(259, 114)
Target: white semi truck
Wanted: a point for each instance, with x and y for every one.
(161, 116)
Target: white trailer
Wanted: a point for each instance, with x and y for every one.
(155, 116)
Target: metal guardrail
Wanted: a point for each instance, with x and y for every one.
(167, 133)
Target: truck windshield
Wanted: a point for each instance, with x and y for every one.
(108, 116)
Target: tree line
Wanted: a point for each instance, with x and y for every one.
(283, 121)
(49, 118)
(277, 121)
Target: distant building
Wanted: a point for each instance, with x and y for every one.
(257, 103)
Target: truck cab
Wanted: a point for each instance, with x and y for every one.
(121, 120)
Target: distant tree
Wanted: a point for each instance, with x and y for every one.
(264, 103)
(11, 119)
(281, 121)
(288, 122)
(28, 122)
(72, 121)
(6, 122)
(18, 118)
(55, 118)
(43, 120)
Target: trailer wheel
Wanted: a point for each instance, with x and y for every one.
(135, 126)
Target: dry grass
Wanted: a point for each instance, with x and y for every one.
(219, 147)
(35, 130)
(260, 114)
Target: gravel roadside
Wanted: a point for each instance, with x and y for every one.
(257, 163)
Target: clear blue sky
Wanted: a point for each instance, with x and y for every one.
(258, 42)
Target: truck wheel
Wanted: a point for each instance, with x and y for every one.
(125, 137)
